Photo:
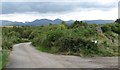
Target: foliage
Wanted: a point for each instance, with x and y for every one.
(78, 39)
(78, 24)
(117, 21)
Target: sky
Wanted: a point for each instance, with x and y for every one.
(30, 10)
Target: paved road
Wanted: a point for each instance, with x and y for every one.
(24, 55)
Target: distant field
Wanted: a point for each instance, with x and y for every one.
(6, 26)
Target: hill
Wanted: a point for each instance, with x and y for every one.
(40, 22)
(98, 21)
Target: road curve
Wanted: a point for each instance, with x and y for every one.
(24, 55)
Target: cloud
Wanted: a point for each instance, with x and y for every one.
(100, 1)
(63, 9)
(75, 15)
(55, 7)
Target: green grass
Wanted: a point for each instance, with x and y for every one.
(3, 58)
(43, 49)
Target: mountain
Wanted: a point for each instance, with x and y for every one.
(98, 21)
(34, 23)
(10, 23)
(57, 21)
(44, 22)
(40, 22)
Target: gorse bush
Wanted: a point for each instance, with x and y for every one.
(51, 37)
(11, 36)
(76, 40)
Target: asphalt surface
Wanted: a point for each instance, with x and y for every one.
(24, 55)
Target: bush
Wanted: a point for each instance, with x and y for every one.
(51, 38)
(106, 28)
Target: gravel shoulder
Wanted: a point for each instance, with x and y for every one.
(24, 55)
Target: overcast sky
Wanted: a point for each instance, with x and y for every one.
(64, 9)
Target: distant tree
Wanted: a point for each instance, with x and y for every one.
(42, 25)
(76, 23)
(50, 23)
(79, 23)
(118, 20)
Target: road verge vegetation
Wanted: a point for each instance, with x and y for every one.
(79, 39)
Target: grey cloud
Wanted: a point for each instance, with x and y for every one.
(47, 7)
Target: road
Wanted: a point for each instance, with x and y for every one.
(24, 55)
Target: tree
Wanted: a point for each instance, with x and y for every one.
(79, 23)
(118, 20)
(75, 24)
(106, 28)
(50, 24)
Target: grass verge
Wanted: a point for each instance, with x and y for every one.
(4, 58)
